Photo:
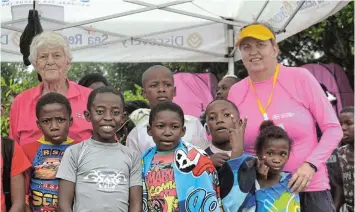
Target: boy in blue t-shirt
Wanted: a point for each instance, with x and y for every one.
(54, 118)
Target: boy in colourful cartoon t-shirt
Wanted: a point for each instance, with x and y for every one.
(53, 113)
(176, 175)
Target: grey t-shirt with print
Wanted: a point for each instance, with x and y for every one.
(102, 173)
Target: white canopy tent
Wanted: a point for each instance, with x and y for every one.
(157, 30)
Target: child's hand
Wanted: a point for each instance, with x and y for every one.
(262, 168)
(236, 137)
(218, 159)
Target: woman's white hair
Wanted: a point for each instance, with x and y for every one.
(46, 39)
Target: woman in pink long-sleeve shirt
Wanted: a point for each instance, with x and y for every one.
(50, 56)
(294, 100)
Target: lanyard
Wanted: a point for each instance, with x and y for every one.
(261, 108)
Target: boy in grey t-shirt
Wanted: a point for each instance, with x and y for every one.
(101, 174)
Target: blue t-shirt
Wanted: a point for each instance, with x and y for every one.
(45, 158)
(240, 191)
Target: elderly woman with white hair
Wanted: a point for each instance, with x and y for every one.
(51, 57)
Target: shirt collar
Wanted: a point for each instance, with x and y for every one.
(214, 149)
(43, 141)
(72, 90)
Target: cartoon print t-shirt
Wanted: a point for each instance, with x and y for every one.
(161, 184)
(45, 158)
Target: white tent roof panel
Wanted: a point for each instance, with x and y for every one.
(155, 30)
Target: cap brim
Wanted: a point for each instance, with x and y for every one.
(256, 36)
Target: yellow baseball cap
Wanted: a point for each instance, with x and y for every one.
(256, 31)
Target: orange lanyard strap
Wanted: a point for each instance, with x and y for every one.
(261, 108)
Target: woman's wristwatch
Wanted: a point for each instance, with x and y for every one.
(312, 166)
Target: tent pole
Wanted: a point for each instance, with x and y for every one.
(12, 28)
(13, 22)
(125, 36)
(262, 10)
(149, 8)
(234, 23)
(138, 37)
(230, 49)
(283, 29)
(10, 51)
(230, 66)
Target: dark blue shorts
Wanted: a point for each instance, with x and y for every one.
(317, 201)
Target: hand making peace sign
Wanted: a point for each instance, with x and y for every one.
(236, 137)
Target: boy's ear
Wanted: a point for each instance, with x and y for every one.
(70, 121)
(144, 93)
(183, 131)
(207, 129)
(174, 93)
(37, 122)
(87, 115)
(149, 130)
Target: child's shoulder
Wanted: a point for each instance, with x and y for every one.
(30, 149)
(342, 150)
(31, 146)
(76, 146)
(190, 147)
(130, 152)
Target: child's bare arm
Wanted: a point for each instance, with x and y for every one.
(27, 175)
(66, 196)
(18, 193)
(135, 182)
(135, 199)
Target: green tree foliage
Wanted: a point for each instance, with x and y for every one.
(14, 79)
(332, 38)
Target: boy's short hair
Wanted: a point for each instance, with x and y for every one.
(226, 100)
(349, 109)
(146, 72)
(53, 98)
(90, 79)
(166, 106)
(105, 89)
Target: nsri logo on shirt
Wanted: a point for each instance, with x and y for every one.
(106, 180)
(283, 115)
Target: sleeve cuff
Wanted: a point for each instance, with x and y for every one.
(27, 200)
(312, 165)
(66, 178)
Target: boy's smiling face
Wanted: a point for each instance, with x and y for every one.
(219, 120)
(54, 122)
(106, 114)
(166, 129)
